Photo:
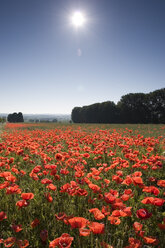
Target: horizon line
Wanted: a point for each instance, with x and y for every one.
(37, 113)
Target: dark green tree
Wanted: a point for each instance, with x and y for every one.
(15, 117)
(156, 105)
(134, 108)
(9, 118)
(108, 112)
(20, 117)
(76, 115)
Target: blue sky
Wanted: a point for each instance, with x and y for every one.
(49, 66)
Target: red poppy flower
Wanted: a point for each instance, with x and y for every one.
(13, 190)
(148, 200)
(64, 241)
(16, 228)
(9, 242)
(109, 198)
(52, 187)
(27, 196)
(82, 192)
(46, 181)
(137, 180)
(125, 197)
(4, 185)
(134, 243)
(137, 226)
(150, 240)
(84, 231)
(64, 171)
(105, 210)
(143, 214)
(78, 222)
(114, 220)
(59, 157)
(96, 228)
(151, 189)
(22, 203)
(118, 213)
(107, 181)
(161, 183)
(127, 211)
(48, 197)
(154, 201)
(54, 243)
(158, 202)
(128, 191)
(128, 180)
(94, 187)
(35, 223)
(3, 216)
(98, 215)
(22, 243)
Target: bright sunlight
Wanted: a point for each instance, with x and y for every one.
(78, 19)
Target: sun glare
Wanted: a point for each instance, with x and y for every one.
(78, 19)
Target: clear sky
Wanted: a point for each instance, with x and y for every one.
(49, 66)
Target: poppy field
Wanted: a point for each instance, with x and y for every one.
(80, 186)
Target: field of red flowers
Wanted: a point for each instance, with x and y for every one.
(82, 186)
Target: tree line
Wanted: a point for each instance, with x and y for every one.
(132, 108)
(15, 117)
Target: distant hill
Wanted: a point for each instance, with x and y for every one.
(42, 117)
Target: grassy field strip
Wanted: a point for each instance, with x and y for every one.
(1, 129)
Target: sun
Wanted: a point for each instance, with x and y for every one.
(78, 19)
